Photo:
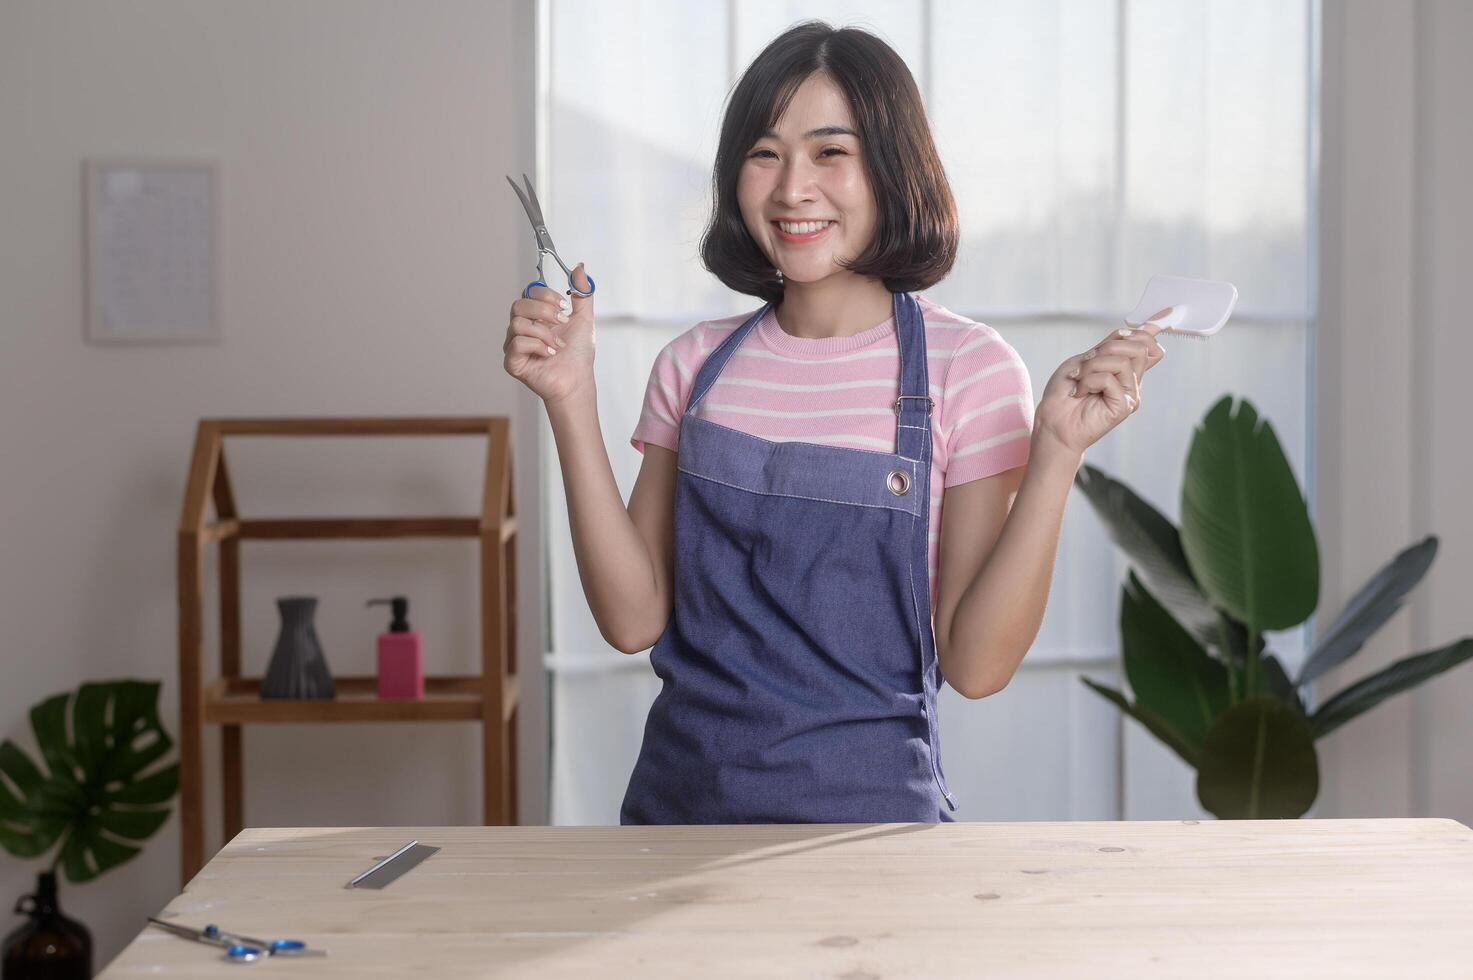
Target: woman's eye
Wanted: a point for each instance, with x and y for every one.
(825, 152)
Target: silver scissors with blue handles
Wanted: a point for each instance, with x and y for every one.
(544, 241)
(239, 949)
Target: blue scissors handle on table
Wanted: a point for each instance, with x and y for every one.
(277, 947)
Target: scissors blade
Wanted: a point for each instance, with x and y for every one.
(539, 223)
(534, 213)
(198, 935)
(272, 947)
(536, 208)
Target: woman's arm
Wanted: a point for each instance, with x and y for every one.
(1000, 535)
(625, 556)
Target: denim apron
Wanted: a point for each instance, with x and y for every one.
(799, 664)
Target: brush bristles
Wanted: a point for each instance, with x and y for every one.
(1174, 331)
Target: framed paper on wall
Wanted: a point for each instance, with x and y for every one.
(152, 234)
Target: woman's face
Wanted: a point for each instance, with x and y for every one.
(802, 189)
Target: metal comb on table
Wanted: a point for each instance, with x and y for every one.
(393, 866)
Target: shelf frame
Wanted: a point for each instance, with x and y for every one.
(233, 701)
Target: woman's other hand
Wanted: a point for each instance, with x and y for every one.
(1096, 390)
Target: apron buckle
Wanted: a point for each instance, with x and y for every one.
(898, 482)
(930, 404)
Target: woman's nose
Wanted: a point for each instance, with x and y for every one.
(796, 183)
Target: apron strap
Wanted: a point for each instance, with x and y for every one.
(717, 359)
(914, 406)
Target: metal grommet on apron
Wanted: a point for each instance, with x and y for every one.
(798, 668)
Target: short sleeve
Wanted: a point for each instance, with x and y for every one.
(664, 400)
(987, 408)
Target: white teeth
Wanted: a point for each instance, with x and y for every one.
(802, 227)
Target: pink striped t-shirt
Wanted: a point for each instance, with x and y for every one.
(841, 391)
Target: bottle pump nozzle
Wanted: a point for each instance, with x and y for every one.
(400, 623)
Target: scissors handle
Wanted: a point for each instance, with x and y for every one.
(592, 287)
(249, 953)
(238, 948)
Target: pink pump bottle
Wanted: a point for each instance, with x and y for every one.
(400, 654)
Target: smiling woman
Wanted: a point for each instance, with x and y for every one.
(785, 574)
(793, 554)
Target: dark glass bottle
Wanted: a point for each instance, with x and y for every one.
(50, 946)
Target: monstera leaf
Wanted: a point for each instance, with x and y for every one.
(96, 793)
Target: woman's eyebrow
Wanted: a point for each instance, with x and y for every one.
(818, 133)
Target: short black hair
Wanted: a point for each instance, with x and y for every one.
(915, 237)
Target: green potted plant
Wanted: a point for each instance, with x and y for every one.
(102, 788)
(1198, 599)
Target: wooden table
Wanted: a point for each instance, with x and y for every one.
(1292, 898)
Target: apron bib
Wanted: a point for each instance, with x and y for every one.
(799, 664)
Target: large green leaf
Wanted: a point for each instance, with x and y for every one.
(1154, 724)
(1169, 672)
(1153, 545)
(1244, 526)
(1370, 691)
(97, 793)
(1259, 762)
(1369, 610)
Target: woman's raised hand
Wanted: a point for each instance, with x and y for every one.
(1095, 391)
(549, 341)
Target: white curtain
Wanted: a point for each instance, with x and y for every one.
(1090, 144)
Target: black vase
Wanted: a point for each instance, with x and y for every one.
(50, 946)
(298, 668)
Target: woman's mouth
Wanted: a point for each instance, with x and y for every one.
(800, 232)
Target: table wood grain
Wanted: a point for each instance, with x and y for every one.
(1140, 899)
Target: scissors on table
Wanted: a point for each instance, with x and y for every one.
(544, 241)
(239, 949)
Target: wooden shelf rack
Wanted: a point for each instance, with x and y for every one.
(232, 700)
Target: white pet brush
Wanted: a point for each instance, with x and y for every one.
(1189, 307)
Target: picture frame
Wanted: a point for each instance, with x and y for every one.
(151, 262)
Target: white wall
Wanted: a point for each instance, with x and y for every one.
(1394, 454)
(370, 248)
